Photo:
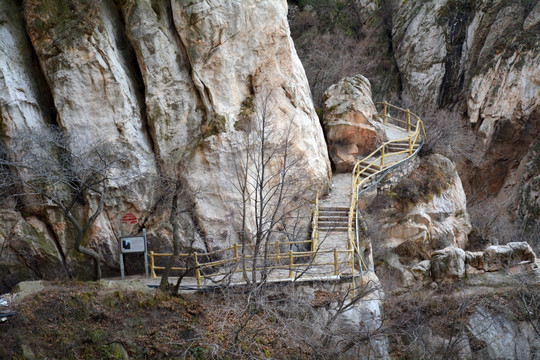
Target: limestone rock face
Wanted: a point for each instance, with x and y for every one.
(351, 129)
(482, 59)
(504, 338)
(175, 83)
(421, 48)
(529, 197)
(213, 34)
(411, 231)
(23, 102)
(442, 220)
(174, 110)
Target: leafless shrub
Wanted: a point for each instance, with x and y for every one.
(449, 135)
(315, 322)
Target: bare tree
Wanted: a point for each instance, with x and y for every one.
(272, 195)
(182, 205)
(48, 168)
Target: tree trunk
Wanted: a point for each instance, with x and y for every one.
(173, 219)
(89, 252)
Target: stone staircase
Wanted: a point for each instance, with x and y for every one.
(335, 219)
(334, 222)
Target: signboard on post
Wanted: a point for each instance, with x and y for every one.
(133, 244)
(130, 245)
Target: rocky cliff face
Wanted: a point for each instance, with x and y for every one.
(168, 81)
(480, 59)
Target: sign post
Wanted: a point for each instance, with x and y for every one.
(132, 244)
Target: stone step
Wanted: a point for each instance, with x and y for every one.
(403, 145)
(334, 229)
(400, 148)
(332, 208)
(328, 224)
(343, 217)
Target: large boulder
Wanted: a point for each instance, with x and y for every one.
(352, 130)
(498, 257)
(437, 218)
(448, 264)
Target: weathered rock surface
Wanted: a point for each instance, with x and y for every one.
(452, 263)
(448, 264)
(480, 59)
(502, 337)
(420, 48)
(351, 129)
(213, 35)
(170, 82)
(410, 230)
(529, 197)
(499, 257)
(24, 98)
(442, 219)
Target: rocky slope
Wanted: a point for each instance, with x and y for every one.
(480, 59)
(469, 68)
(169, 81)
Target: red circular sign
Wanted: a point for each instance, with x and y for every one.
(129, 218)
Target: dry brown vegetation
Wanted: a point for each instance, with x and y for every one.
(75, 320)
(89, 321)
(339, 38)
(86, 321)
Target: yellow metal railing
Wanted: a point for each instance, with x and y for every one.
(315, 225)
(273, 261)
(377, 162)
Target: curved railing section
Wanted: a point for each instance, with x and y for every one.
(374, 166)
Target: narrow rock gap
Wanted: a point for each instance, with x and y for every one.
(45, 93)
(58, 247)
(199, 90)
(130, 58)
(452, 85)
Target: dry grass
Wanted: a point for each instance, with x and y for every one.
(86, 321)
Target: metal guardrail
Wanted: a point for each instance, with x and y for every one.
(217, 269)
(375, 161)
(315, 225)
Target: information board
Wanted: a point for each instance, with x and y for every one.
(130, 245)
(133, 244)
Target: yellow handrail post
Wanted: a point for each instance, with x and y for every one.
(408, 120)
(410, 146)
(152, 265)
(336, 262)
(236, 257)
(197, 271)
(384, 112)
(315, 225)
(290, 264)
(382, 157)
